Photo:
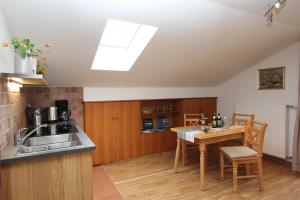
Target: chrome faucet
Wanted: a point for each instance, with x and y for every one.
(20, 140)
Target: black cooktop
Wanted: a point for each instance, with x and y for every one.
(55, 129)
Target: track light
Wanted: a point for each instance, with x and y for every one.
(269, 13)
(269, 17)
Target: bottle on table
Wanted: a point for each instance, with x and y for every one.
(219, 121)
(214, 122)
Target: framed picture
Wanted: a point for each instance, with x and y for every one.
(271, 78)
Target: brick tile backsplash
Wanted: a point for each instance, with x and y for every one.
(12, 112)
(12, 106)
(46, 96)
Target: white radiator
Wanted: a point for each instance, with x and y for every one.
(276, 137)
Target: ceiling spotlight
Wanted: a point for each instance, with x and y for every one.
(277, 4)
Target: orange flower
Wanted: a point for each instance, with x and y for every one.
(48, 45)
(45, 58)
(5, 44)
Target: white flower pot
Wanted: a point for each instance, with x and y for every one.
(24, 66)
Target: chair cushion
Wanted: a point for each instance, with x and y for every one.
(238, 152)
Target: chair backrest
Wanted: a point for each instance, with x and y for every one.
(254, 135)
(192, 119)
(241, 119)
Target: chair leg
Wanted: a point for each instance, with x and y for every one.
(234, 176)
(183, 152)
(247, 169)
(260, 174)
(222, 165)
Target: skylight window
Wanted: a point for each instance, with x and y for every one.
(121, 44)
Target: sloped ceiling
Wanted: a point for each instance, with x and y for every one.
(198, 43)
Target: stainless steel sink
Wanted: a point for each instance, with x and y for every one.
(44, 143)
(44, 140)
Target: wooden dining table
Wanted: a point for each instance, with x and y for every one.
(203, 139)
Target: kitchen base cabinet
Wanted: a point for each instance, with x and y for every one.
(64, 177)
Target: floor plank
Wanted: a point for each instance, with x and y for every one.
(152, 177)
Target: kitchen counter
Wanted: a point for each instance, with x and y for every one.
(9, 153)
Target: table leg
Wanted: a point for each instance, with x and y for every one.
(202, 165)
(205, 160)
(177, 154)
(183, 149)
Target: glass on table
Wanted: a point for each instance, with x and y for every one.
(227, 121)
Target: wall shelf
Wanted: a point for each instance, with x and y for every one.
(27, 79)
(158, 113)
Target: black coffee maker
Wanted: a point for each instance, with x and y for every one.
(63, 110)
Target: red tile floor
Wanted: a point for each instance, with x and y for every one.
(103, 188)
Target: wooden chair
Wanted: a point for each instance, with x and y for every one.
(189, 120)
(249, 153)
(241, 119)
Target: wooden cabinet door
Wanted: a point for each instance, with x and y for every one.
(191, 106)
(99, 125)
(150, 143)
(128, 135)
(168, 141)
(207, 106)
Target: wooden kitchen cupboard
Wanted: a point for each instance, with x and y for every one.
(114, 128)
(157, 142)
(127, 129)
(160, 139)
(99, 125)
(60, 177)
(207, 106)
(150, 143)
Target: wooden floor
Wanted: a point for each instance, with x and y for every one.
(152, 178)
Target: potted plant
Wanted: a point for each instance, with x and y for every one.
(42, 66)
(25, 57)
(26, 54)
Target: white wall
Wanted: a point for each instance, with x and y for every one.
(106, 93)
(6, 54)
(242, 89)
